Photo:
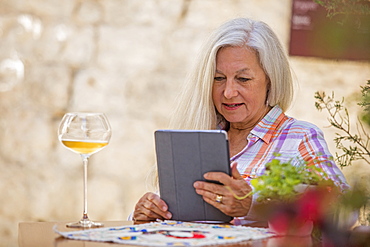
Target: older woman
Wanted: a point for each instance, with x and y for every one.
(242, 83)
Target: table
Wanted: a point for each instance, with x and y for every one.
(41, 234)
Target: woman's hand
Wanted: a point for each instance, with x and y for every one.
(222, 197)
(151, 207)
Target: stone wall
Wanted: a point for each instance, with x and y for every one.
(126, 58)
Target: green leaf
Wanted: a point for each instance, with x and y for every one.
(280, 179)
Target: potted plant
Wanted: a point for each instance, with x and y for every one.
(292, 197)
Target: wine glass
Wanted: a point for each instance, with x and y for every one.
(85, 134)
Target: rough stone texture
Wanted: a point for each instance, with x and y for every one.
(126, 58)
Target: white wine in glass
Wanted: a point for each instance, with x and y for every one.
(85, 134)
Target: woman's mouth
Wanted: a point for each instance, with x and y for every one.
(232, 106)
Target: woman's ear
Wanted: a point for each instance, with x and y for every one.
(267, 97)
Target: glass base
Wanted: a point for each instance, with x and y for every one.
(85, 223)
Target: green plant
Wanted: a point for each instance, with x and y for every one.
(365, 103)
(348, 7)
(355, 146)
(280, 180)
(352, 18)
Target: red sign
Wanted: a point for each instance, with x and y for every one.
(314, 34)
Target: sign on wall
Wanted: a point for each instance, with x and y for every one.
(314, 34)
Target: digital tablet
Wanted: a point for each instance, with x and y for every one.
(183, 156)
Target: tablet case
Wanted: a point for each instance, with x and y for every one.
(183, 156)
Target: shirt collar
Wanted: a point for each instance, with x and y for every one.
(267, 126)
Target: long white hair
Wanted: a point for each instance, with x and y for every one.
(195, 109)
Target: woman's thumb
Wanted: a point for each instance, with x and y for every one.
(234, 171)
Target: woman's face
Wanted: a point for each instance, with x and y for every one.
(240, 87)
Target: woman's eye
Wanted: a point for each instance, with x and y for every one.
(219, 78)
(243, 79)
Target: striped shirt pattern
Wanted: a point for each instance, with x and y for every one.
(300, 142)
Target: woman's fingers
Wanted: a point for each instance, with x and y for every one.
(232, 197)
(224, 178)
(151, 207)
(146, 215)
(212, 196)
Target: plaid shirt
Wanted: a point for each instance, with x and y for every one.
(298, 141)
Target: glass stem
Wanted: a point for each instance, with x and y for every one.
(85, 159)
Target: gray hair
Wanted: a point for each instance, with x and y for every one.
(196, 109)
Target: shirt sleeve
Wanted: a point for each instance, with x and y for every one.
(313, 150)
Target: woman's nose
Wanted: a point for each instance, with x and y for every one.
(230, 90)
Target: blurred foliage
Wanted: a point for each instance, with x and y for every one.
(352, 14)
(280, 180)
(346, 7)
(355, 145)
(332, 212)
(365, 103)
